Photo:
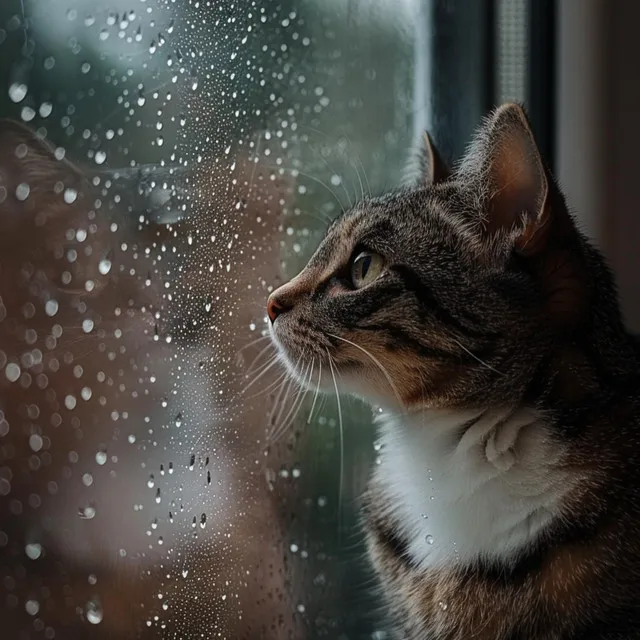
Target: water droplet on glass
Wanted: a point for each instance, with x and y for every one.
(32, 607)
(51, 307)
(17, 92)
(27, 114)
(35, 442)
(87, 479)
(151, 482)
(104, 266)
(442, 605)
(45, 109)
(12, 371)
(22, 191)
(101, 457)
(70, 196)
(87, 513)
(33, 550)
(179, 420)
(100, 157)
(93, 611)
(429, 539)
(203, 520)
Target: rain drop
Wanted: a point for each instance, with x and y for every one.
(87, 513)
(35, 442)
(104, 266)
(32, 607)
(33, 550)
(93, 611)
(27, 114)
(12, 371)
(17, 92)
(22, 191)
(45, 109)
(70, 196)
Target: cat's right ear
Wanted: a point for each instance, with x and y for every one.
(433, 169)
(520, 197)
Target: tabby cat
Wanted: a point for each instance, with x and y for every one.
(506, 504)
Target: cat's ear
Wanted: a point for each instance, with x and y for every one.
(433, 168)
(506, 159)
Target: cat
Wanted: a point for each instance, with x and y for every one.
(84, 321)
(470, 308)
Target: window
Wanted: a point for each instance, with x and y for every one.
(173, 161)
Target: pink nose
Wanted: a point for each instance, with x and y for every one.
(275, 307)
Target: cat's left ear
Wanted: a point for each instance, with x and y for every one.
(433, 168)
(506, 160)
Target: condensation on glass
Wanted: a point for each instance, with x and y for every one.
(163, 165)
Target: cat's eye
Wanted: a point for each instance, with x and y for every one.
(365, 268)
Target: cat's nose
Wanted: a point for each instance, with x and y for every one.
(275, 307)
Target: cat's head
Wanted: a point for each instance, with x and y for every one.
(449, 293)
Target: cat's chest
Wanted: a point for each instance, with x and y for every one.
(459, 486)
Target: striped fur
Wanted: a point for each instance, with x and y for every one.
(507, 501)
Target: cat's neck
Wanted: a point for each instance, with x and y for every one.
(461, 486)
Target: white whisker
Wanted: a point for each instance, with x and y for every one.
(269, 346)
(475, 357)
(295, 408)
(315, 395)
(262, 373)
(250, 344)
(376, 362)
(335, 386)
(283, 404)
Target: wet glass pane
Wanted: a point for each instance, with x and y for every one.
(163, 166)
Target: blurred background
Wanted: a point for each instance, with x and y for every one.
(163, 166)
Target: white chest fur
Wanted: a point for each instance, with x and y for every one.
(488, 494)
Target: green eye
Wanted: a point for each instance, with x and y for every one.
(366, 268)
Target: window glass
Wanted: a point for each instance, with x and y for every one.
(164, 165)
